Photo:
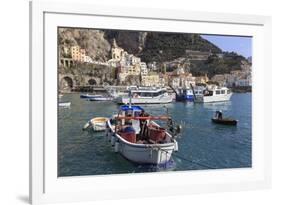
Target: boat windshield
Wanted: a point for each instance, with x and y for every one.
(208, 93)
(148, 93)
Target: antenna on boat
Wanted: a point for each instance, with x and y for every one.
(130, 98)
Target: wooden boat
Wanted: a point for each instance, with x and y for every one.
(138, 138)
(219, 119)
(97, 124)
(224, 121)
(64, 104)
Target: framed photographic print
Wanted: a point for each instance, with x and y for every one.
(129, 102)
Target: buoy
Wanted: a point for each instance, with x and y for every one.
(176, 147)
(116, 147)
(112, 140)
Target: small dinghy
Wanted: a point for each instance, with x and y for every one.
(224, 121)
(89, 96)
(97, 124)
(64, 104)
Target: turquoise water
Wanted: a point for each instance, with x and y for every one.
(202, 144)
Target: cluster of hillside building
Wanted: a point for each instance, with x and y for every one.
(236, 78)
(148, 74)
(130, 65)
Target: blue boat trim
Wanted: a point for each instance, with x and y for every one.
(133, 108)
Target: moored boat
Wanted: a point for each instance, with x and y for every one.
(101, 98)
(137, 137)
(89, 96)
(215, 94)
(218, 118)
(225, 121)
(97, 124)
(184, 95)
(64, 104)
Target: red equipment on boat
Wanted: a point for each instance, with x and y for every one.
(156, 133)
(128, 134)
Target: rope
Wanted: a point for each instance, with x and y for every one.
(191, 161)
(188, 160)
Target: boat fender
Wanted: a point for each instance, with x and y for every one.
(109, 134)
(113, 140)
(106, 133)
(116, 147)
(176, 147)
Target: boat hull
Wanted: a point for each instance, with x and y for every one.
(153, 100)
(224, 121)
(64, 104)
(146, 155)
(100, 99)
(215, 98)
(189, 98)
(88, 96)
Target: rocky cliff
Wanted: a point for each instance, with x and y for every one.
(150, 46)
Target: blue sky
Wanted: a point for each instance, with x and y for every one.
(238, 44)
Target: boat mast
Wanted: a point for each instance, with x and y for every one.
(130, 98)
(194, 95)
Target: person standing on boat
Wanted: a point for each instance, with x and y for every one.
(219, 115)
(143, 123)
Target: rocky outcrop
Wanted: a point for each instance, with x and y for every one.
(93, 41)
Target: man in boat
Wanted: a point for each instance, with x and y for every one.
(219, 115)
(143, 124)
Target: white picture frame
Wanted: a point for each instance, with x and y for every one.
(46, 187)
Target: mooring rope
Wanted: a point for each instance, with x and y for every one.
(191, 161)
(188, 160)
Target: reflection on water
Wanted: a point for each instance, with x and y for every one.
(202, 144)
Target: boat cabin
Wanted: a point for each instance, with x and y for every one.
(215, 92)
(146, 93)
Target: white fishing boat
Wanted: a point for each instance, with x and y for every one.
(146, 95)
(64, 104)
(97, 124)
(215, 94)
(138, 138)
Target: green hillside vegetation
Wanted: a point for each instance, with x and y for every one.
(162, 47)
(215, 65)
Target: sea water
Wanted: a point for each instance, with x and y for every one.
(202, 144)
